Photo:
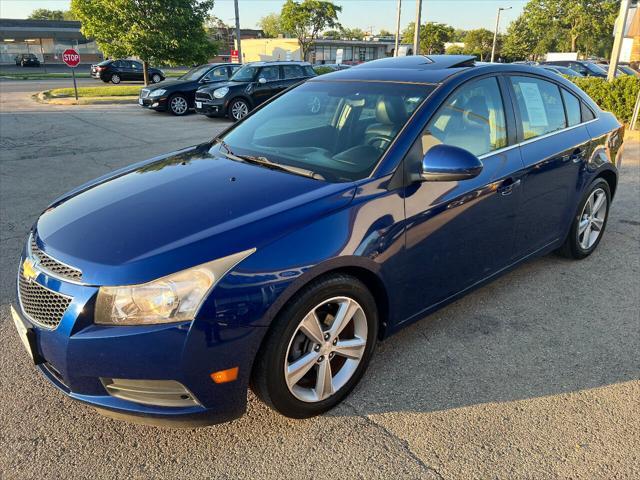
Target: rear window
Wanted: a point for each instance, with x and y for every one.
(572, 105)
(540, 105)
(105, 63)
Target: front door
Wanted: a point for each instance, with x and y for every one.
(264, 91)
(460, 232)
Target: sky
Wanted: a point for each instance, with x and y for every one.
(366, 14)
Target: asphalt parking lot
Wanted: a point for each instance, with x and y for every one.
(534, 376)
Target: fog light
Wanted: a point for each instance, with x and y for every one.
(224, 376)
(155, 104)
(161, 393)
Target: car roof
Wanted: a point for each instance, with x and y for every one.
(432, 69)
(276, 62)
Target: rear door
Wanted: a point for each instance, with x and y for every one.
(553, 146)
(291, 74)
(136, 72)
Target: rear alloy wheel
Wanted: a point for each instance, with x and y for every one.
(115, 79)
(588, 226)
(318, 348)
(156, 78)
(178, 105)
(238, 109)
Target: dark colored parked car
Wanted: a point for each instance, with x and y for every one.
(584, 68)
(116, 71)
(27, 60)
(278, 253)
(178, 96)
(250, 86)
(562, 70)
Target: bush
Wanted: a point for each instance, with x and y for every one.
(618, 97)
(321, 70)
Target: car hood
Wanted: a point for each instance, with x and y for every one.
(215, 86)
(177, 211)
(172, 84)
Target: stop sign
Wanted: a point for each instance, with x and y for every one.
(71, 57)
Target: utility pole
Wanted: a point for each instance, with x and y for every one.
(617, 41)
(416, 33)
(395, 51)
(495, 34)
(235, 2)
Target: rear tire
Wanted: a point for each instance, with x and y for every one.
(115, 79)
(318, 347)
(589, 223)
(156, 78)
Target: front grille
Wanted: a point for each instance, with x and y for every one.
(203, 96)
(144, 93)
(52, 265)
(43, 306)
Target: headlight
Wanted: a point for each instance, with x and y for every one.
(221, 92)
(174, 298)
(158, 92)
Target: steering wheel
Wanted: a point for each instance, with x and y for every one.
(384, 141)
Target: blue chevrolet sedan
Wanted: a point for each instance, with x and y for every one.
(277, 254)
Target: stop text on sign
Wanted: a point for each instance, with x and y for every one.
(71, 57)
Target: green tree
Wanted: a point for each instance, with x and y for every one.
(163, 31)
(271, 25)
(458, 35)
(306, 19)
(332, 34)
(46, 14)
(433, 36)
(519, 42)
(385, 33)
(455, 50)
(353, 33)
(479, 42)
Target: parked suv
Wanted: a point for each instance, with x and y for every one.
(115, 71)
(251, 85)
(27, 60)
(177, 96)
(586, 69)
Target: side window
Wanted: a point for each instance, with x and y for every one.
(117, 64)
(572, 106)
(235, 68)
(472, 118)
(136, 65)
(540, 106)
(587, 114)
(270, 73)
(292, 71)
(217, 74)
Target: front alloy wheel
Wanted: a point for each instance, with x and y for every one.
(238, 109)
(317, 348)
(178, 105)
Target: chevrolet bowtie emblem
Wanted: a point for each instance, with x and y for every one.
(29, 270)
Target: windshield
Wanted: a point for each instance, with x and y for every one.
(245, 74)
(195, 73)
(338, 130)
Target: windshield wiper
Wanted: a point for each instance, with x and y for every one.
(265, 162)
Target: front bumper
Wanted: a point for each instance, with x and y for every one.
(77, 356)
(154, 103)
(216, 107)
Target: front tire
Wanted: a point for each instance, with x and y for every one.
(588, 225)
(238, 109)
(178, 105)
(115, 79)
(318, 347)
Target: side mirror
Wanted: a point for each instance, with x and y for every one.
(262, 80)
(446, 163)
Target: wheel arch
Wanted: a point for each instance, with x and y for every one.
(611, 178)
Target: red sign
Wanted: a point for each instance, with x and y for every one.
(234, 56)
(71, 57)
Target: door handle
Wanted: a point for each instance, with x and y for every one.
(508, 186)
